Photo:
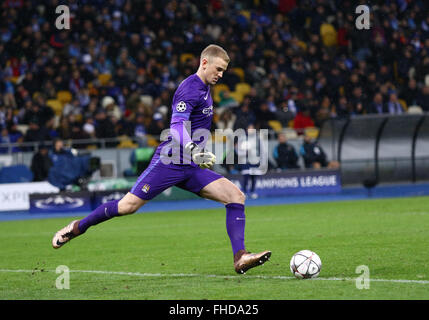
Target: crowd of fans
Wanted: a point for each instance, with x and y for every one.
(305, 62)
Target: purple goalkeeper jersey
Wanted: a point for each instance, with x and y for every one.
(192, 108)
(191, 102)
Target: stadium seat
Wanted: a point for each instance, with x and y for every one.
(311, 132)
(328, 34)
(78, 117)
(14, 80)
(127, 143)
(290, 133)
(56, 105)
(104, 78)
(217, 90)
(151, 141)
(415, 110)
(239, 72)
(275, 125)
(403, 104)
(246, 14)
(64, 96)
(269, 53)
(237, 96)
(216, 138)
(15, 173)
(302, 45)
(243, 88)
(185, 57)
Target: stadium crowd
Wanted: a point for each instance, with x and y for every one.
(114, 71)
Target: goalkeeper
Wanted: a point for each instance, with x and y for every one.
(180, 161)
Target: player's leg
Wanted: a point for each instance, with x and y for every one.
(129, 204)
(106, 211)
(224, 191)
(155, 179)
(211, 185)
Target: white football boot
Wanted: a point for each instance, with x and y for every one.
(244, 260)
(65, 234)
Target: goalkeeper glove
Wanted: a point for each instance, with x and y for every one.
(204, 159)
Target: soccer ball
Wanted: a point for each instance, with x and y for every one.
(305, 264)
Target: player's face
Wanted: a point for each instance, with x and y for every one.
(214, 69)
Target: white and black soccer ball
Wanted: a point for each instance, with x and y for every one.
(305, 264)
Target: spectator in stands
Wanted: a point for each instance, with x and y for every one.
(303, 120)
(41, 163)
(36, 133)
(325, 111)
(393, 105)
(342, 109)
(59, 148)
(157, 125)
(105, 127)
(278, 55)
(284, 114)
(72, 107)
(377, 106)
(410, 93)
(89, 128)
(4, 139)
(226, 101)
(285, 154)
(423, 98)
(314, 156)
(263, 116)
(15, 136)
(226, 120)
(245, 115)
(112, 109)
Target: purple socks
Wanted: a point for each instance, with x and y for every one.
(235, 222)
(104, 212)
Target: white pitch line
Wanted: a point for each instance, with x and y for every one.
(196, 275)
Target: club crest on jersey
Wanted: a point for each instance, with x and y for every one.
(181, 106)
(146, 188)
(208, 111)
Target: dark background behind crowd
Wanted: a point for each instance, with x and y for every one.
(114, 71)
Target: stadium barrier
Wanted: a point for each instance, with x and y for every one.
(386, 148)
(294, 182)
(271, 184)
(15, 196)
(80, 201)
(85, 201)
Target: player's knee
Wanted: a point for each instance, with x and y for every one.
(128, 207)
(238, 197)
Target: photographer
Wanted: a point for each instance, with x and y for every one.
(70, 168)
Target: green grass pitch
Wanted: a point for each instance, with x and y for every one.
(187, 254)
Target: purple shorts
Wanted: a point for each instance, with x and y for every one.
(158, 177)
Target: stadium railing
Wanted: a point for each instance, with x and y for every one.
(386, 148)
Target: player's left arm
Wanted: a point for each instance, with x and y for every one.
(180, 133)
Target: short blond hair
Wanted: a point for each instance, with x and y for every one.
(214, 50)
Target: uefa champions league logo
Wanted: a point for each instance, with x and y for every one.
(59, 201)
